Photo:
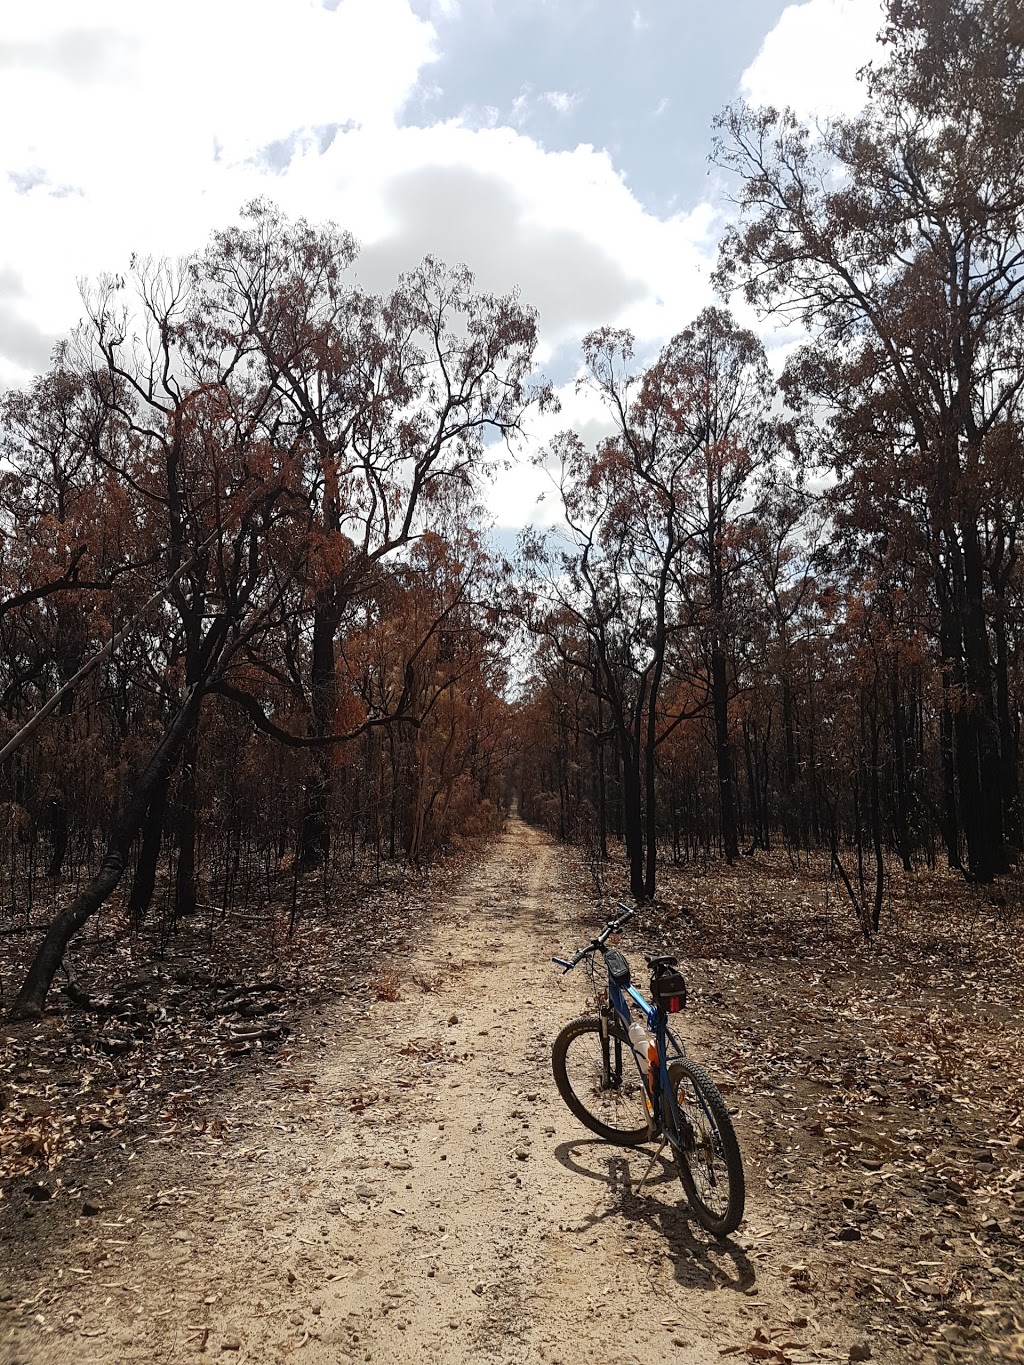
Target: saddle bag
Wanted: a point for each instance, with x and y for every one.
(668, 987)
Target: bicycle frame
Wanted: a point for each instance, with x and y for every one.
(620, 1003)
(656, 1019)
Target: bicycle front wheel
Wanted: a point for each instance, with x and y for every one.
(599, 1080)
(708, 1156)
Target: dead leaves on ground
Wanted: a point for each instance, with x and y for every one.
(878, 1089)
(145, 1026)
(767, 1345)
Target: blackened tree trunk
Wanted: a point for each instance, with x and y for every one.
(602, 786)
(32, 996)
(1009, 783)
(965, 664)
(650, 816)
(790, 818)
(144, 881)
(876, 822)
(58, 809)
(315, 834)
(723, 754)
(632, 819)
(901, 820)
(58, 822)
(188, 827)
(947, 757)
(650, 731)
(751, 784)
(757, 785)
(989, 856)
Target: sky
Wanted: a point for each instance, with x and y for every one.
(557, 146)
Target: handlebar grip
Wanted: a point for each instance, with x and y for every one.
(597, 944)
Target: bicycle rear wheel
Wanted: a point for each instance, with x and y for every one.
(599, 1080)
(708, 1158)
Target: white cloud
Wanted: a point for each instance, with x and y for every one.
(129, 141)
(562, 226)
(521, 106)
(138, 134)
(810, 59)
(527, 494)
(561, 101)
(130, 135)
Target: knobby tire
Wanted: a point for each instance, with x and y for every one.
(709, 1164)
(616, 1113)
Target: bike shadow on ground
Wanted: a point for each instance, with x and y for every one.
(701, 1261)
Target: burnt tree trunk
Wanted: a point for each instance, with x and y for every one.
(1010, 788)
(874, 795)
(126, 825)
(315, 834)
(901, 819)
(723, 754)
(144, 881)
(187, 825)
(632, 821)
(57, 817)
(980, 675)
(947, 759)
(58, 811)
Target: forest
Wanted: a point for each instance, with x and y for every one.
(252, 623)
(283, 732)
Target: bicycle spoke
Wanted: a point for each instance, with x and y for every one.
(709, 1160)
(607, 1097)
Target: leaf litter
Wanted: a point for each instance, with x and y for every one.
(877, 1088)
(878, 1091)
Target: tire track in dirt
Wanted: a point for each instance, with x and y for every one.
(414, 1189)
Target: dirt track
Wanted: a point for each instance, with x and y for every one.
(413, 1189)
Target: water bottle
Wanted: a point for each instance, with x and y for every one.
(652, 1066)
(645, 1046)
(639, 1039)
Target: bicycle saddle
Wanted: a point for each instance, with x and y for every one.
(655, 962)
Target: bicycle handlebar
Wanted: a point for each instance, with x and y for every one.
(597, 944)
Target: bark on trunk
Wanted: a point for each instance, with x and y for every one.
(58, 821)
(1009, 785)
(650, 820)
(144, 881)
(32, 996)
(723, 754)
(185, 881)
(950, 830)
(315, 835)
(901, 820)
(977, 743)
(632, 824)
(876, 827)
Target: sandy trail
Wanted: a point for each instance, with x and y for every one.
(412, 1188)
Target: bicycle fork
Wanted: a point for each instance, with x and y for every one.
(611, 1070)
(611, 1055)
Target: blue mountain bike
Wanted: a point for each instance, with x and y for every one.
(626, 1076)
